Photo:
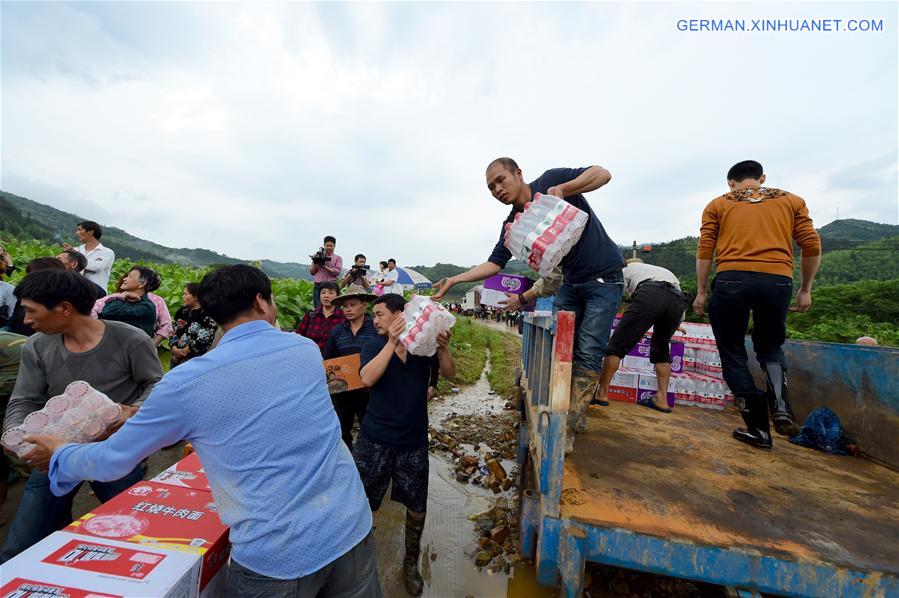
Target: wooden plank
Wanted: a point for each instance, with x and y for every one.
(682, 476)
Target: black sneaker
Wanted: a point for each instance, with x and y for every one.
(756, 438)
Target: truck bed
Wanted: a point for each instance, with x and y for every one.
(682, 476)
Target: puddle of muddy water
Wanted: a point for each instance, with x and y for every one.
(449, 542)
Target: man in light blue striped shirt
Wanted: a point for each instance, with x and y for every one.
(258, 413)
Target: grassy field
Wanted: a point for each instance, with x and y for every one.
(505, 350)
(469, 346)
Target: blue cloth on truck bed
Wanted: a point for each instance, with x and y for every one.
(822, 430)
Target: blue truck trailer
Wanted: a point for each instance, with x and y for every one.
(676, 495)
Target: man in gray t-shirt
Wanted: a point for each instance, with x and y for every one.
(115, 358)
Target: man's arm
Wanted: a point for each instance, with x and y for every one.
(146, 370)
(376, 365)
(479, 272)
(31, 390)
(590, 180)
(335, 266)
(447, 363)
(313, 268)
(708, 239)
(331, 344)
(160, 423)
(100, 261)
(544, 287)
(810, 244)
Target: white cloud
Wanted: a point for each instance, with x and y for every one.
(254, 129)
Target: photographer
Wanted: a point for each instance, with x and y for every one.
(326, 266)
(357, 274)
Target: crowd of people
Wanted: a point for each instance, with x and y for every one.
(290, 478)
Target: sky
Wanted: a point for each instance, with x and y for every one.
(254, 129)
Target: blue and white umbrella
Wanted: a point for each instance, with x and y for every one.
(412, 279)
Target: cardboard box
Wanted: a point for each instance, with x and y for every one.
(624, 385)
(496, 287)
(186, 473)
(166, 517)
(343, 374)
(648, 387)
(638, 357)
(64, 564)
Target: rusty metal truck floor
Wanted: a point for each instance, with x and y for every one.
(683, 476)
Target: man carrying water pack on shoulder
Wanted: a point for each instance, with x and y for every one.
(592, 280)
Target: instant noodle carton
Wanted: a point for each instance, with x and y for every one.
(496, 287)
(69, 565)
(186, 473)
(624, 385)
(151, 514)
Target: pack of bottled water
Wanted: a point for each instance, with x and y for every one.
(425, 319)
(80, 414)
(545, 232)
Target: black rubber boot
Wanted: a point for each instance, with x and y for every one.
(414, 528)
(755, 414)
(778, 400)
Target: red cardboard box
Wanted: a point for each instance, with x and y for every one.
(64, 564)
(186, 473)
(166, 517)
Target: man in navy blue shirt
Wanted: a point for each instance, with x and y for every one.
(348, 338)
(393, 442)
(591, 272)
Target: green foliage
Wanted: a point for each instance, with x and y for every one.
(293, 297)
(877, 260)
(468, 346)
(505, 350)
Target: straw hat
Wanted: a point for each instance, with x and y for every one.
(354, 291)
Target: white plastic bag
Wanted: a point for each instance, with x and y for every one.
(424, 319)
(545, 232)
(80, 414)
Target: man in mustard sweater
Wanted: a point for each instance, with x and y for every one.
(751, 231)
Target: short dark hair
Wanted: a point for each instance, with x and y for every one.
(382, 263)
(44, 263)
(747, 169)
(358, 255)
(55, 286)
(330, 285)
(391, 260)
(331, 239)
(393, 301)
(229, 291)
(76, 256)
(149, 277)
(507, 163)
(93, 227)
(193, 288)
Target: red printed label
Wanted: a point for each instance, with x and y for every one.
(99, 558)
(26, 588)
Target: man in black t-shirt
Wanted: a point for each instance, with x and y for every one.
(591, 271)
(393, 442)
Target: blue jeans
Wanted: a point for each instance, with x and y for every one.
(736, 294)
(595, 305)
(353, 575)
(40, 513)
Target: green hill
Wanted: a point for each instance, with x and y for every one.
(23, 217)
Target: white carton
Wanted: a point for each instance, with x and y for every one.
(85, 566)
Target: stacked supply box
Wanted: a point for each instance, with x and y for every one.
(624, 385)
(166, 517)
(65, 564)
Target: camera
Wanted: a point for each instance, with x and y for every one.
(360, 269)
(319, 258)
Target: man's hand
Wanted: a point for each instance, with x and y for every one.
(431, 392)
(511, 302)
(127, 412)
(130, 296)
(45, 446)
(66, 247)
(803, 301)
(556, 191)
(443, 340)
(443, 286)
(395, 330)
(699, 303)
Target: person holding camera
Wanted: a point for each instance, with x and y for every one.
(357, 274)
(326, 267)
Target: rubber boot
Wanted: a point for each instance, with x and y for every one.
(778, 402)
(414, 528)
(754, 410)
(583, 385)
